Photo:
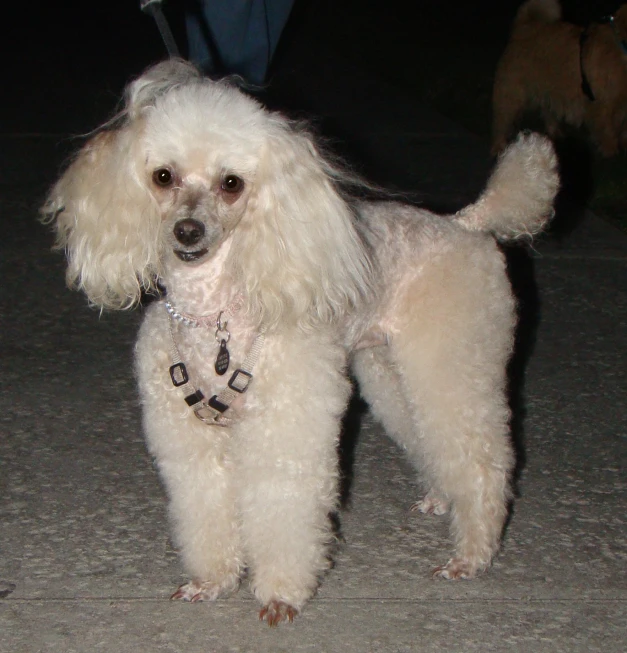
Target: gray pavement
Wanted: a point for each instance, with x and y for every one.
(86, 564)
(85, 559)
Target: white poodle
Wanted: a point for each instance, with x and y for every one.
(273, 274)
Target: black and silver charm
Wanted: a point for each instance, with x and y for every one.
(222, 336)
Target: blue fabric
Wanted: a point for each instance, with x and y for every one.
(235, 36)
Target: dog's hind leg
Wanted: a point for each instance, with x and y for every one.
(454, 337)
(381, 386)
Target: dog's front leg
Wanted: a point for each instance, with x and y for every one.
(196, 469)
(204, 523)
(287, 469)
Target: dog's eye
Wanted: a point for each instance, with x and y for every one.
(162, 177)
(232, 184)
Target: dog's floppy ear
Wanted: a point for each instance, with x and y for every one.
(106, 220)
(103, 213)
(104, 216)
(297, 249)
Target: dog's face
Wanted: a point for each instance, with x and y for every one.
(198, 212)
(201, 173)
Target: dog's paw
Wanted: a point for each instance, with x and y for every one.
(277, 611)
(196, 591)
(430, 505)
(455, 569)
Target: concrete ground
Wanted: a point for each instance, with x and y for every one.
(85, 560)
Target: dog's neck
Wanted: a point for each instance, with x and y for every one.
(203, 289)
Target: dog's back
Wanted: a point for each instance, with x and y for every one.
(516, 203)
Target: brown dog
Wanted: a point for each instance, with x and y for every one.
(570, 74)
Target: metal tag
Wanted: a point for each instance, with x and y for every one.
(222, 360)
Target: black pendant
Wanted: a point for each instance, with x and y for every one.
(222, 360)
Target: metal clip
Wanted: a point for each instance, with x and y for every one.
(211, 416)
(221, 328)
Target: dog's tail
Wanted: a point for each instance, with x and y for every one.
(544, 11)
(518, 199)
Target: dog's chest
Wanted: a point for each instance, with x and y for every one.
(208, 326)
(211, 353)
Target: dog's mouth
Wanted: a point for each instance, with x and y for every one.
(189, 257)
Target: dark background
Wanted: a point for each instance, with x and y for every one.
(66, 63)
(65, 66)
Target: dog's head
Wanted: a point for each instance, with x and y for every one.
(188, 164)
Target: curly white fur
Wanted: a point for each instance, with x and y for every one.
(197, 187)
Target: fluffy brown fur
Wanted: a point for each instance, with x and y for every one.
(541, 69)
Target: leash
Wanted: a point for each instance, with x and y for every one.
(153, 8)
(212, 411)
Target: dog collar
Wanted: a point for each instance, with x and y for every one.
(207, 321)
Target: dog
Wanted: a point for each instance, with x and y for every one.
(569, 74)
(272, 272)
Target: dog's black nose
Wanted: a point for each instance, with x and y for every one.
(189, 232)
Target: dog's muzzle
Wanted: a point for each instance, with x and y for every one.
(189, 232)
